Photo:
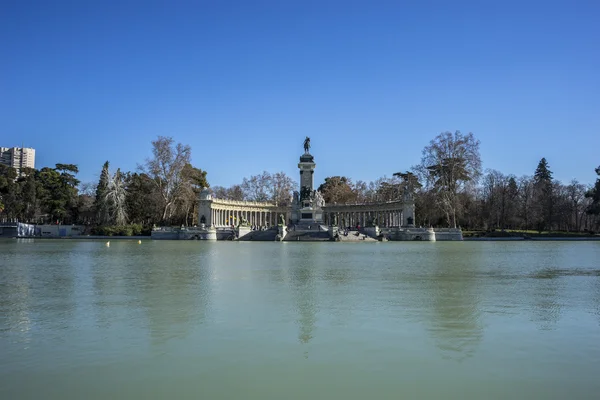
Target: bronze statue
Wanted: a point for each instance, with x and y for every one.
(306, 144)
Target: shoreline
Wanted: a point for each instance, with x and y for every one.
(87, 237)
(533, 239)
(467, 239)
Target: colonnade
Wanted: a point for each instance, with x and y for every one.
(231, 216)
(385, 218)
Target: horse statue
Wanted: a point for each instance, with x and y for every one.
(306, 145)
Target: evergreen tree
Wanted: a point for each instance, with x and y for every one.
(544, 195)
(594, 194)
(542, 175)
(100, 205)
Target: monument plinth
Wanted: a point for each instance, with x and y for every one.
(308, 202)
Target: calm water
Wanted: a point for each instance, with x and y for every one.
(478, 320)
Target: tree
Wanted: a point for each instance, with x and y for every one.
(100, 205)
(257, 187)
(526, 197)
(337, 190)
(142, 200)
(166, 168)
(543, 193)
(410, 180)
(448, 163)
(234, 192)
(275, 188)
(282, 188)
(57, 191)
(594, 195)
(576, 196)
(542, 173)
(193, 180)
(28, 190)
(115, 199)
(361, 189)
(9, 192)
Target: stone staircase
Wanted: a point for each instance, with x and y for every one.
(308, 233)
(355, 236)
(268, 235)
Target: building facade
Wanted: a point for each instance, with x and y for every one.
(17, 157)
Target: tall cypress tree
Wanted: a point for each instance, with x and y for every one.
(101, 205)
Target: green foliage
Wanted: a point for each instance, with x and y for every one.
(544, 208)
(100, 203)
(542, 173)
(57, 193)
(120, 230)
(142, 201)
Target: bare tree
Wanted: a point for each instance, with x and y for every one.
(257, 187)
(361, 189)
(234, 192)
(526, 195)
(282, 187)
(448, 163)
(165, 168)
(192, 181)
(276, 188)
(576, 195)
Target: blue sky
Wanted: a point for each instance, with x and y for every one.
(243, 82)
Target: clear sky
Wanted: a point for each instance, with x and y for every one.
(243, 82)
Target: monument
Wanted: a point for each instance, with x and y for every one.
(307, 217)
(307, 207)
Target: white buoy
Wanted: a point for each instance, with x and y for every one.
(139, 242)
(107, 244)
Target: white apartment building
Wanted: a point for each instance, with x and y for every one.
(17, 157)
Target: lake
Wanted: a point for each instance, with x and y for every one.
(229, 320)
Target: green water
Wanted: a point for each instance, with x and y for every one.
(198, 320)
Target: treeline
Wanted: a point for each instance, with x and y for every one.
(275, 188)
(448, 185)
(450, 190)
(164, 190)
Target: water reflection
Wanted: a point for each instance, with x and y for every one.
(546, 309)
(15, 313)
(456, 312)
(34, 295)
(303, 280)
(173, 291)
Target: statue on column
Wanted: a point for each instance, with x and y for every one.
(306, 145)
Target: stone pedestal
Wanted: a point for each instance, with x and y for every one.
(210, 233)
(333, 231)
(242, 231)
(372, 231)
